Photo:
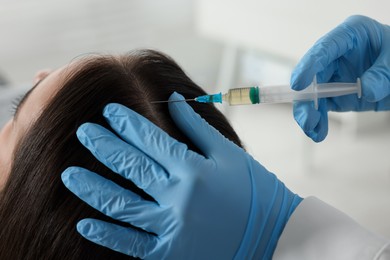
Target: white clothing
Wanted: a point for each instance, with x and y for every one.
(318, 231)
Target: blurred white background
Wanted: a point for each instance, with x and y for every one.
(222, 44)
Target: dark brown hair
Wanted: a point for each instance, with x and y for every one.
(38, 215)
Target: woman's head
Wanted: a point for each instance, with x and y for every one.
(38, 214)
(27, 110)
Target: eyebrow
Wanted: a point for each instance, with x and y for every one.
(24, 98)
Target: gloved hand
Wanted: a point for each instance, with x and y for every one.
(220, 205)
(358, 48)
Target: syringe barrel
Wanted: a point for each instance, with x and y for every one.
(255, 95)
(242, 96)
(283, 93)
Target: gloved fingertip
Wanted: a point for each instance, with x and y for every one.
(68, 175)
(113, 110)
(294, 81)
(198, 130)
(84, 227)
(296, 87)
(300, 82)
(375, 85)
(320, 131)
(178, 107)
(68, 172)
(306, 116)
(65, 176)
(80, 133)
(85, 133)
(368, 83)
(316, 137)
(176, 96)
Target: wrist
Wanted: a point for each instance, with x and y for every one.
(270, 212)
(287, 208)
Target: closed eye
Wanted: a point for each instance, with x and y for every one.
(15, 104)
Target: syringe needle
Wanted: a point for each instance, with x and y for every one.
(171, 101)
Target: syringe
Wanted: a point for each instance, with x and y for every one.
(283, 93)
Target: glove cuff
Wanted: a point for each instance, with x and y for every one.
(267, 220)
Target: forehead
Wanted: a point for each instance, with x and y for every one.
(41, 96)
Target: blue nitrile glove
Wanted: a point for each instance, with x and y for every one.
(222, 205)
(358, 48)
